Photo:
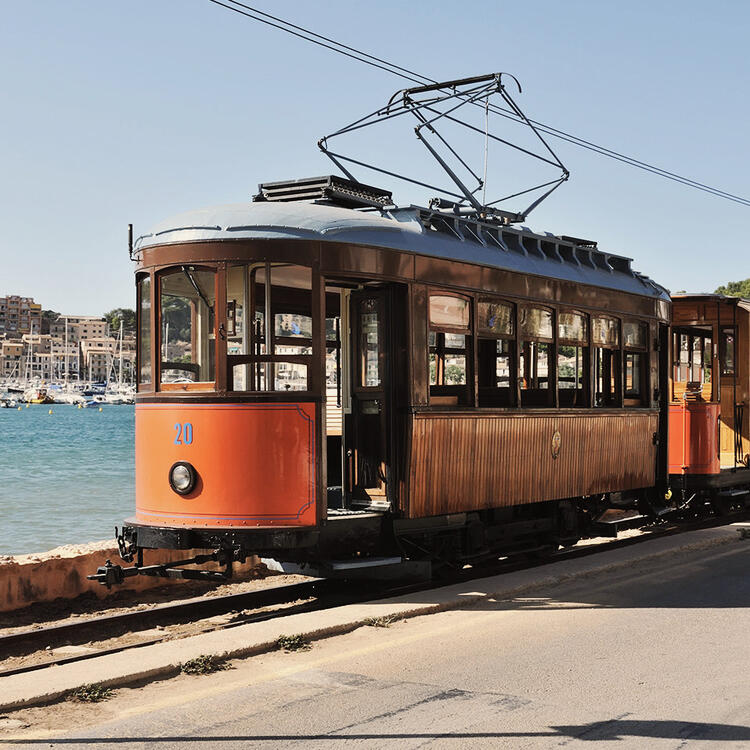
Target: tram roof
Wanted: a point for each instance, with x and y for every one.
(410, 229)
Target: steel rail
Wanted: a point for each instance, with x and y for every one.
(171, 612)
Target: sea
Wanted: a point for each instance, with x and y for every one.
(66, 475)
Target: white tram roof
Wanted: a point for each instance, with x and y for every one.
(411, 229)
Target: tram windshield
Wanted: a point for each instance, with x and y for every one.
(269, 327)
(187, 322)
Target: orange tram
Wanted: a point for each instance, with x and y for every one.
(331, 382)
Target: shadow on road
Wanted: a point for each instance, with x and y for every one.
(615, 729)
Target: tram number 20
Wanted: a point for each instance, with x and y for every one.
(183, 433)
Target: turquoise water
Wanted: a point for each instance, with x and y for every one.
(65, 477)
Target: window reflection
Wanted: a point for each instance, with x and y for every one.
(187, 337)
(144, 329)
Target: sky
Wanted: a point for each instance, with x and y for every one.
(116, 113)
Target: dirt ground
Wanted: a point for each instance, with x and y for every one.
(89, 607)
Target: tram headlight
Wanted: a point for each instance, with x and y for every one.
(182, 478)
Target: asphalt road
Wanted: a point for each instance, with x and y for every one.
(655, 657)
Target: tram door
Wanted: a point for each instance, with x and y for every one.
(367, 457)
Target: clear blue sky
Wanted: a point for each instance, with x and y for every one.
(132, 111)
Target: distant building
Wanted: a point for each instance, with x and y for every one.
(11, 356)
(79, 328)
(78, 347)
(65, 356)
(19, 315)
(37, 361)
(96, 358)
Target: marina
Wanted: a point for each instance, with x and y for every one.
(67, 474)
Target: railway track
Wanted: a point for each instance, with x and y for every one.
(316, 594)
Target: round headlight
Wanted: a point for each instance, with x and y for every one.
(182, 478)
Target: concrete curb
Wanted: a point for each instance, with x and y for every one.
(163, 660)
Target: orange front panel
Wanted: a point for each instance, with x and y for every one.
(693, 438)
(256, 464)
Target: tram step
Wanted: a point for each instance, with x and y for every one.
(606, 526)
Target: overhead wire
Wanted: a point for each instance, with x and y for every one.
(377, 62)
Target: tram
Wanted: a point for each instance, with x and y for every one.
(327, 380)
(709, 424)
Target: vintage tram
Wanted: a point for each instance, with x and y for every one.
(329, 380)
(709, 433)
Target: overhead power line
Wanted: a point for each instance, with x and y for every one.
(377, 62)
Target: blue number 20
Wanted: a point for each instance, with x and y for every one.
(185, 432)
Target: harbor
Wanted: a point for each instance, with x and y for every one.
(67, 473)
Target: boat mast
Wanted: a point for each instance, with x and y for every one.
(66, 353)
(119, 374)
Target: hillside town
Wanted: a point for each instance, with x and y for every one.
(60, 352)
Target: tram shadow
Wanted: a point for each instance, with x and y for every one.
(712, 578)
(603, 731)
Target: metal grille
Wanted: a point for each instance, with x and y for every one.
(338, 190)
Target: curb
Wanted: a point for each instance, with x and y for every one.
(63, 680)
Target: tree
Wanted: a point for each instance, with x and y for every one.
(735, 289)
(113, 318)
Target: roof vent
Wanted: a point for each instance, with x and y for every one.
(337, 190)
(578, 242)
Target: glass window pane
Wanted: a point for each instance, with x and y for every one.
(290, 376)
(239, 377)
(144, 329)
(635, 334)
(502, 364)
(449, 312)
(433, 369)
(455, 341)
(707, 361)
(187, 326)
(235, 326)
(496, 318)
(289, 325)
(535, 322)
(604, 332)
(570, 367)
(727, 353)
(455, 369)
(573, 327)
(633, 365)
(286, 331)
(684, 348)
(333, 326)
(369, 343)
(606, 377)
(534, 366)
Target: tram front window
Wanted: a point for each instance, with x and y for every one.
(186, 335)
(270, 327)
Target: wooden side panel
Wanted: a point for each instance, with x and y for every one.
(462, 462)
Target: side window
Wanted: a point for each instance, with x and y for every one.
(535, 361)
(605, 337)
(144, 330)
(449, 350)
(496, 353)
(692, 361)
(635, 340)
(187, 320)
(573, 360)
(728, 353)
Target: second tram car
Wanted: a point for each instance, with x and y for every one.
(326, 379)
(709, 432)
